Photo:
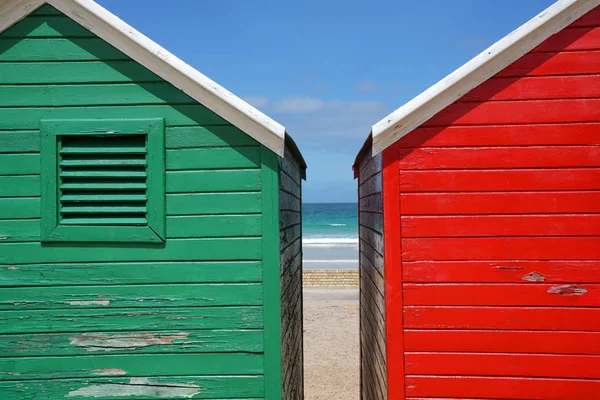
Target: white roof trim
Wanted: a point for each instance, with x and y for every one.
(491, 61)
(152, 56)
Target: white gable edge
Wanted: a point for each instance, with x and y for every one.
(158, 60)
(487, 64)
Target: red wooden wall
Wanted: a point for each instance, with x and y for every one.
(499, 237)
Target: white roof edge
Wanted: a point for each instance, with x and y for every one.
(164, 64)
(488, 63)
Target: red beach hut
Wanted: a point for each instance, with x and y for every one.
(480, 224)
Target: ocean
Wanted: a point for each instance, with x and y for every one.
(330, 235)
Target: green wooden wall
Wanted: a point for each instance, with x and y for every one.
(197, 317)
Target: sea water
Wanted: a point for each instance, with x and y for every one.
(330, 235)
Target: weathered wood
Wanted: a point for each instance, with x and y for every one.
(288, 185)
(371, 220)
(288, 202)
(371, 186)
(127, 320)
(373, 203)
(81, 344)
(289, 218)
(193, 387)
(114, 273)
(146, 365)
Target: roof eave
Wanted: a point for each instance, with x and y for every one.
(488, 63)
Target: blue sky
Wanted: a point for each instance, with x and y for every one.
(327, 70)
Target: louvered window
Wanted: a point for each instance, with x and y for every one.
(103, 180)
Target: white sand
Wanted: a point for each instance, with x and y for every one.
(331, 344)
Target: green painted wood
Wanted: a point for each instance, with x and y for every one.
(183, 137)
(19, 141)
(213, 181)
(86, 49)
(197, 226)
(78, 344)
(238, 249)
(193, 226)
(153, 272)
(213, 203)
(19, 164)
(271, 275)
(19, 230)
(48, 27)
(131, 296)
(29, 118)
(19, 207)
(125, 365)
(20, 186)
(46, 9)
(75, 72)
(172, 387)
(176, 182)
(94, 320)
(211, 158)
(91, 95)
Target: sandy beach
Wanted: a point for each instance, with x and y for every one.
(331, 344)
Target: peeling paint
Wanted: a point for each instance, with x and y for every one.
(104, 342)
(567, 290)
(12, 268)
(108, 371)
(138, 387)
(88, 302)
(534, 277)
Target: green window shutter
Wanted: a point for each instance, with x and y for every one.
(103, 180)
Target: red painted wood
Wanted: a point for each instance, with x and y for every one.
(501, 225)
(592, 18)
(489, 364)
(504, 135)
(518, 112)
(535, 88)
(542, 64)
(501, 388)
(571, 39)
(524, 294)
(500, 180)
(499, 157)
(528, 318)
(502, 271)
(499, 203)
(483, 341)
(499, 248)
(393, 274)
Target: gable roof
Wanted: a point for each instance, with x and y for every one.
(119, 34)
(487, 64)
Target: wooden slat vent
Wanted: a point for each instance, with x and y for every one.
(103, 180)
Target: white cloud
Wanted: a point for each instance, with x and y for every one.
(368, 87)
(298, 105)
(257, 101)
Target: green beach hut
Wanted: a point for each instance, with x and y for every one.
(150, 221)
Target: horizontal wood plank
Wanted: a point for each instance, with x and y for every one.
(499, 248)
(245, 249)
(213, 181)
(483, 341)
(499, 157)
(196, 226)
(524, 294)
(131, 296)
(529, 112)
(75, 72)
(127, 320)
(115, 273)
(571, 39)
(501, 225)
(562, 63)
(503, 135)
(49, 27)
(214, 203)
(522, 365)
(19, 164)
(502, 271)
(57, 49)
(520, 318)
(500, 180)
(146, 365)
(542, 202)
(500, 388)
(192, 387)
